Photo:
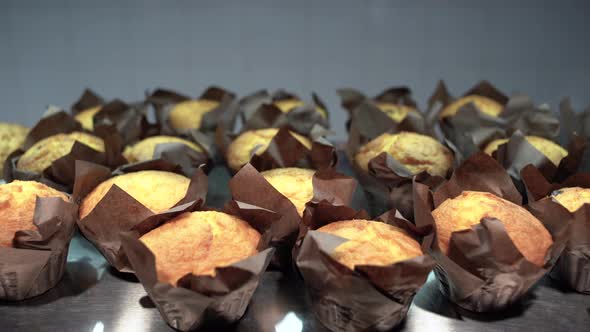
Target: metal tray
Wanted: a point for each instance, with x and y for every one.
(93, 297)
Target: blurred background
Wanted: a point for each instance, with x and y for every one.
(51, 50)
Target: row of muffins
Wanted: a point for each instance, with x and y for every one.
(367, 238)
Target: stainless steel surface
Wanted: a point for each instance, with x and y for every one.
(94, 298)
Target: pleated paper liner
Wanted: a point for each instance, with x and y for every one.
(250, 188)
(573, 121)
(285, 150)
(118, 212)
(200, 300)
(370, 298)
(60, 174)
(573, 266)
(484, 271)
(350, 99)
(38, 260)
(517, 153)
(257, 111)
(88, 99)
(470, 129)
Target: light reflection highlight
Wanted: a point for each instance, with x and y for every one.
(289, 323)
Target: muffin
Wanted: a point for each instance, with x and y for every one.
(189, 114)
(572, 198)
(486, 105)
(287, 105)
(397, 112)
(40, 156)
(86, 117)
(371, 243)
(416, 152)
(17, 202)
(12, 137)
(199, 242)
(527, 233)
(156, 190)
(551, 150)
(294, 183)
(249, 142)
(144, 149)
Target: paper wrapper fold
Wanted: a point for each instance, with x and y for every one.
(483, 270)
(258, 112)
(370, 298)
(60, 174)
(261, 204)
(199, 300)
(87, 100)
(573, 266)
(470, 129)
(118, 212)
(38, 260)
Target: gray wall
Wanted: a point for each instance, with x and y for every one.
(51, 50)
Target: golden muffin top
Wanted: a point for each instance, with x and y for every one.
(371, 243)
(17, 207)
(572, 198)
(156, 190)
(12, 137)
(484, 104)
(256, 141)
(144, 149)
(526, 232)
(294, 183)
(198, 242)
(397, 112)
(40, 156)
(189, 114)
(86, 117)
(287, 105)
(416, 152)
(551, 150)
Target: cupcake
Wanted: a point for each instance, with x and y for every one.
(253, 142)
(418, 153)
(371, 243)
(486, 105)
(18, 200)
(287, 105)
(548, 148)
(86, 117)
(397, 112)
(12, 137)
(144, 149)
(43, 153)
(527, 233)
(294, 183)
(198, 243)
(572, 198)
(156, 190)
(188, 114)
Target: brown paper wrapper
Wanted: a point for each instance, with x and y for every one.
(198, 300)
(573, 266)
(258, 112)
(60, 174)
(470, 129)
(517, 153)
(87, 100)
(118, 212)
(38, 260)
(254, 193)
(484, 271)
(370, 298)
(573, 122)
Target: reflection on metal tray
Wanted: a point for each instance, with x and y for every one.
(94, 298)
